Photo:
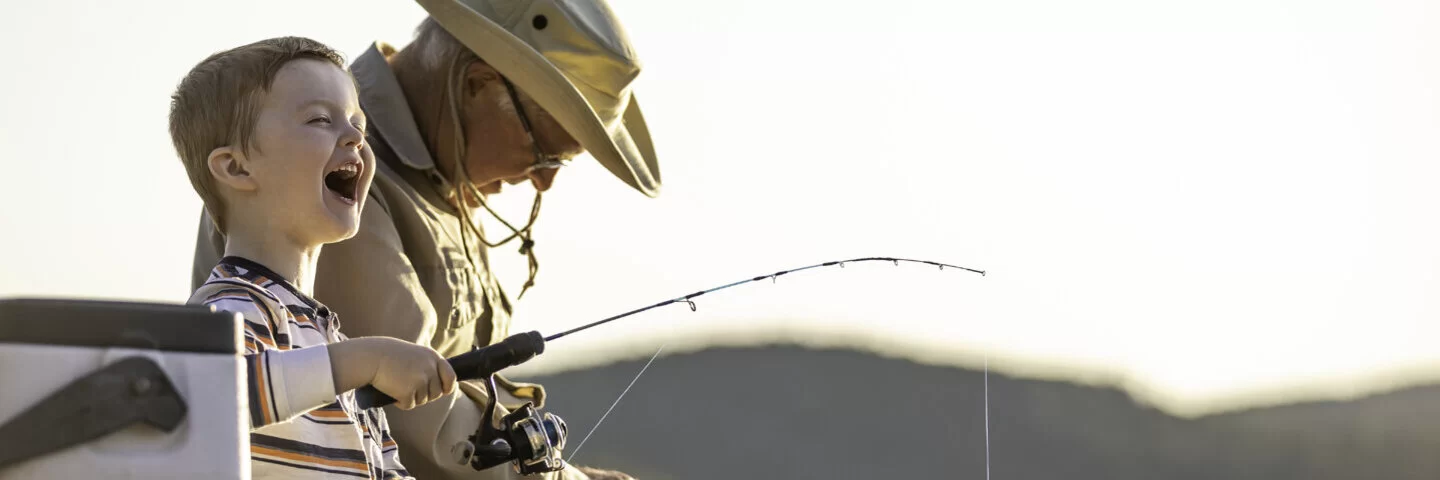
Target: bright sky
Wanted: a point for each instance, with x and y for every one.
(1204, 199)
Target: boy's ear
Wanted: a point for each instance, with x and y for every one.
(230, 167)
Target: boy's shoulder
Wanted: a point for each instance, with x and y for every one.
(226, 278)
(272, 307)
(236, 289)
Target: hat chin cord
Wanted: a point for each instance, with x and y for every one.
(464, 186)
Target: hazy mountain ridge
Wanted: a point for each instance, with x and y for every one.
(804, 413)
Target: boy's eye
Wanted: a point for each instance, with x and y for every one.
(321, 118)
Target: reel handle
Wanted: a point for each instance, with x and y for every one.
(473, 365)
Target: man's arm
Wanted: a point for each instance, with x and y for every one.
(371, 284)
(367, 280)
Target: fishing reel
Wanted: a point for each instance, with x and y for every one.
(528, 439)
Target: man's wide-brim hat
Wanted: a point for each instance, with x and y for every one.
(574, 59)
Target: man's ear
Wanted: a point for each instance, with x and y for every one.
(231, 168)
(479, 75)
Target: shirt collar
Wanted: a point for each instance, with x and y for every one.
(253, 267)
(384, 104)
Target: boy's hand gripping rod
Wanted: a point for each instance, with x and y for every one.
(473, 365)
(483, 362)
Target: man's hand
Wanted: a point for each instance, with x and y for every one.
(597, 474)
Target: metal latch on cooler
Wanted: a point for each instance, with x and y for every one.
(107, 400)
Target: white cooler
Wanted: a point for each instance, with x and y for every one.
(118, 390)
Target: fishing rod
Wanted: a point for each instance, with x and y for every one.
(688, 299)
(532, 441)
(523, 346)
(519, 348)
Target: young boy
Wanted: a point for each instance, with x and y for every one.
(273, 139)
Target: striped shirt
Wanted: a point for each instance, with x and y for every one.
(299, 427)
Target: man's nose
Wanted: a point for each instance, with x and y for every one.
(542, 179)
(569, 149)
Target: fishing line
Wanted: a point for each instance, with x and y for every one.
(612, 406)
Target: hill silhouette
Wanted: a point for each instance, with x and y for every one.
(792, 412)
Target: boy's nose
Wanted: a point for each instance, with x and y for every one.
(353, 137)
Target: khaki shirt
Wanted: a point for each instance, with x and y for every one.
(406, 275)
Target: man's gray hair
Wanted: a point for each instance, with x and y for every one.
(437, 48)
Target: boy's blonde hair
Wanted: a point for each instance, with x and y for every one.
(218, 103)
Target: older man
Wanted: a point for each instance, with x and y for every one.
(489, 93)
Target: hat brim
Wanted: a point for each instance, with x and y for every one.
(625, 149)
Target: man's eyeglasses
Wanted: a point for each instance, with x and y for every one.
(542, 161)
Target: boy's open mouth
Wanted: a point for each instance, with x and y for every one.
(343, 180)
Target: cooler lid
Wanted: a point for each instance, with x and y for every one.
(99, 323)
